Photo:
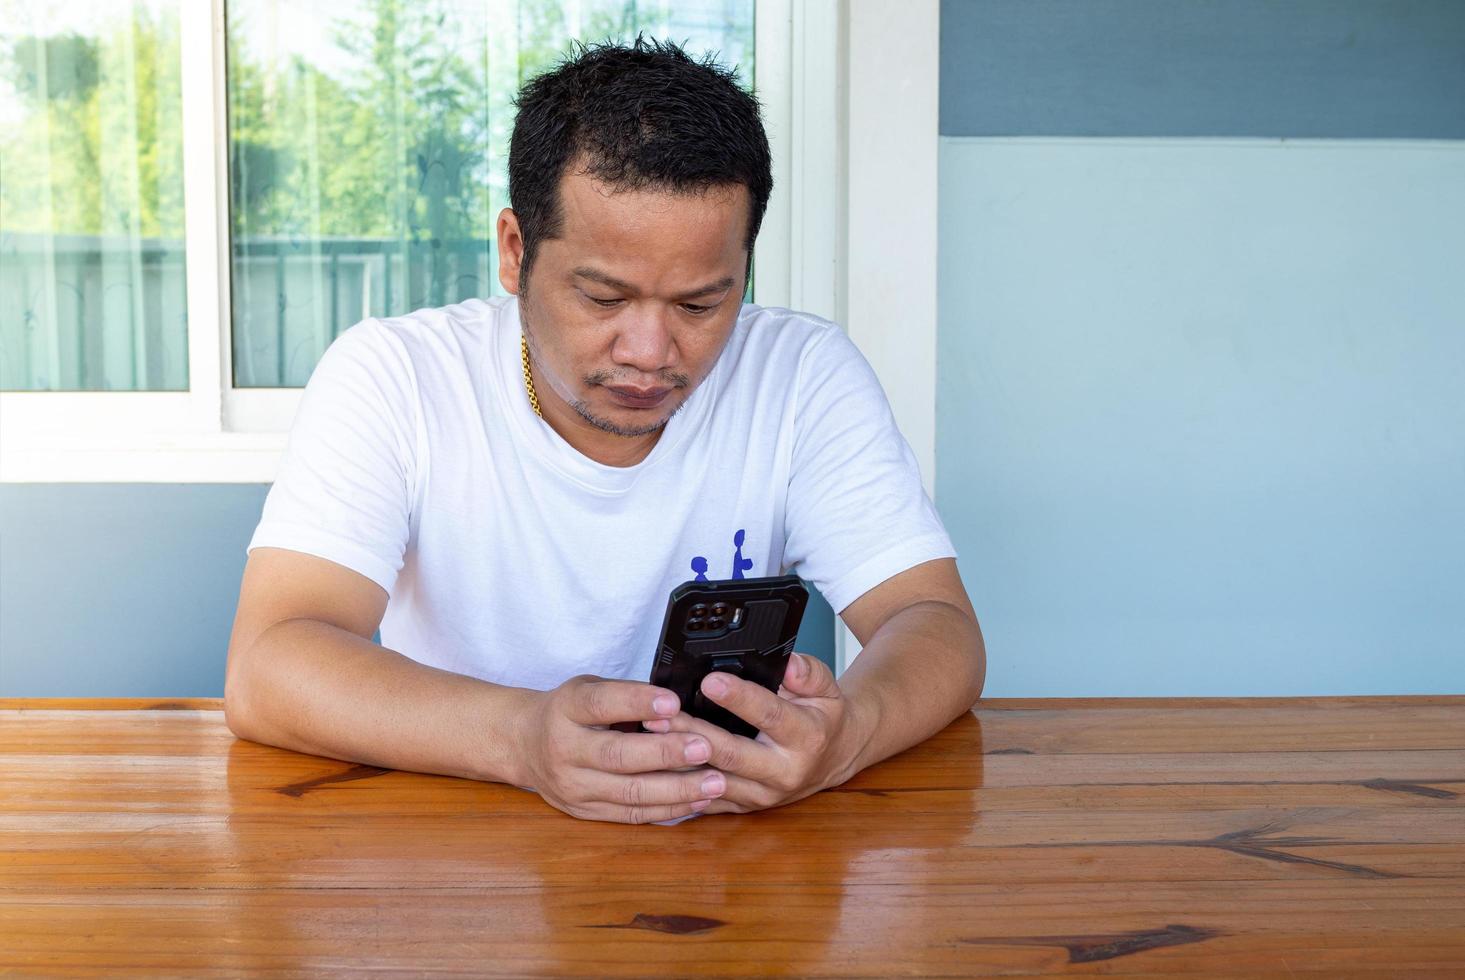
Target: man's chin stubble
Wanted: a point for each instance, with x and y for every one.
(634, 432)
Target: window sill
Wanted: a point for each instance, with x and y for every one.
(216, 457)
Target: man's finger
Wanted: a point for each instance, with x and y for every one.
(756, 705)
(744, 796)
(621, 752)
(596, 701)
(617, 813)
(732, 753)
(723, 805)
(809, 677)
(655, 789)
(750, 795)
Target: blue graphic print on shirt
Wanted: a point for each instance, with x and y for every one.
(739, 563)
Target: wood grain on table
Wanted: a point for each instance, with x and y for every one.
(1253, 837)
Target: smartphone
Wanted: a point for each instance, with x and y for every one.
(745, 627)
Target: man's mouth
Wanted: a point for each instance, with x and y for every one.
(638, 397)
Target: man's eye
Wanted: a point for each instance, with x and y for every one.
(602, 302)
(695, 310)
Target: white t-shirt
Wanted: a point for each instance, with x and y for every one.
(416, 460)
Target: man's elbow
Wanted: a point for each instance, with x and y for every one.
(235, 711)
(977, 659)
(247, 667)
(237, 702)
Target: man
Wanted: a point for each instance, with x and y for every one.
(509, 489)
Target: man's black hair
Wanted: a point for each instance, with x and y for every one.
(638, 116)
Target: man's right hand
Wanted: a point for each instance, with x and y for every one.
(579, 765)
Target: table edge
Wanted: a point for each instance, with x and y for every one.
(986, 704)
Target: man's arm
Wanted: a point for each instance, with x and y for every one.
(922, 665)
(922, 662)
(304, 674)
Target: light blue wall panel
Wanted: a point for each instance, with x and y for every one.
(1201, 413)
(120, 590)
(128, 590)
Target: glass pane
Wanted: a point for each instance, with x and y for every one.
(91, 198)
(368, 150)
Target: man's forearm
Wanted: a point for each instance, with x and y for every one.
(920, 671)
(312, 687)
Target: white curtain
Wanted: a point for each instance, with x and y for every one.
(91, 203)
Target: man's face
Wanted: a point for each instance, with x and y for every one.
(627, 311)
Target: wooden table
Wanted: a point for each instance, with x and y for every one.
(1247, 837)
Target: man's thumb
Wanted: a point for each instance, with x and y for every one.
(808, 677)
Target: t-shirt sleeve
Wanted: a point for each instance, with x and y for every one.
(857, 513)
(344, 487)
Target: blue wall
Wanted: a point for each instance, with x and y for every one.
(128, 590)
(1201, 417)
(120, 590)
(1297, 69)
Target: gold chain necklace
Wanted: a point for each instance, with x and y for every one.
(528, 381)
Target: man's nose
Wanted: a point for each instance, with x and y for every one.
(645, 340)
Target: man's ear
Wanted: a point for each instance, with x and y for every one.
(511, 250)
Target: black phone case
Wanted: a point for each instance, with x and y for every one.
(753, 639)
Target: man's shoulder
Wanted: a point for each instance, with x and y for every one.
(770, 320)
(775, 336)
(425, 337)
(780, 339)
(472, 319)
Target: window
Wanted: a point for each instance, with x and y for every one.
(91, 199)
(197, 197)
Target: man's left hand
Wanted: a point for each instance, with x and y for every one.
(809, 736)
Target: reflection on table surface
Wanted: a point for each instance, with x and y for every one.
(1173, 836)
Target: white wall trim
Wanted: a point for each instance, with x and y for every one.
(799, 260)
(894, 141)
(818, 174)
(772, 43)
(893, 75)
